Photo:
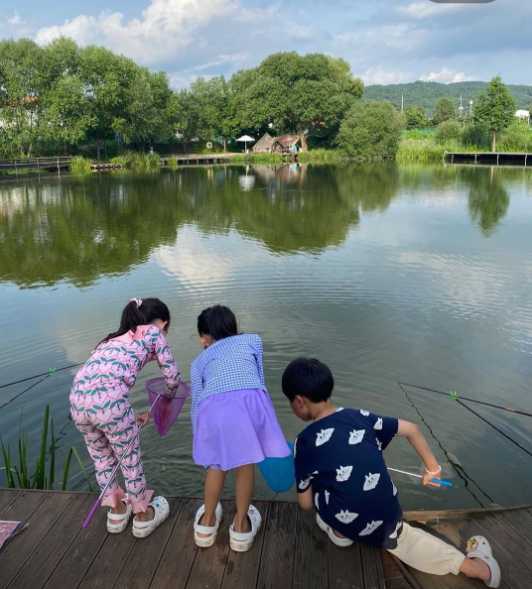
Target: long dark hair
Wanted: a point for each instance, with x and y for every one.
(140, 312)
(218, 322)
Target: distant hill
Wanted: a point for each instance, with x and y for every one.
(426, 94)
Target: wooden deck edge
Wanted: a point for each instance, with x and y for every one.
(411, 515)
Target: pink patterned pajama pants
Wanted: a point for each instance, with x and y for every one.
(108, 429)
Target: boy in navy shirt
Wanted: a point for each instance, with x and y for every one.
(340, 471)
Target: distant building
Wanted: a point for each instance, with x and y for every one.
(286, 143)
(523, 115)
(264, 144)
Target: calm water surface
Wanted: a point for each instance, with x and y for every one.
(420, 275)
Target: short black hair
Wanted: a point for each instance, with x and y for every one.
(309, 378)
(218, 322)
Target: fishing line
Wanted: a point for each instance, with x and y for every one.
(49, 372)
(33, 385)
(460, 470)
(497, 429)
(454, 395)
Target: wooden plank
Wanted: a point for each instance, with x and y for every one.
(180, 552)
(106, 566)
(143, 559)
(208, 569)
(372, 567)
(345, 568)
(311, 568)
(24, 507)
(242, 569)
(394, 578)
(277, 564)
(6, 498)
(79, 556)
(51, 549)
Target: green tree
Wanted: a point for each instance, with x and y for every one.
(416, 118)
(448, 131)
(22, 70)
(371, 131)
(308, 95)
(444, 111)
(495, 109)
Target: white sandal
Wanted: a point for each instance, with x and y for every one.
(243, 541)
(208, 533)
(479, 547)
(161, 510)
(341, 542)
(117, 522)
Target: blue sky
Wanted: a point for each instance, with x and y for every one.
(385, 41)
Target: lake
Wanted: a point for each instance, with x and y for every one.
(419, 275)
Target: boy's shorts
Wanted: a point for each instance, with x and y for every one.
(427, 553)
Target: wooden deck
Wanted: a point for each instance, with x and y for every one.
(493, 158)
(290, 552)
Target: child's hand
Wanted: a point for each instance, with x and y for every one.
(143, 418)
(428, 475)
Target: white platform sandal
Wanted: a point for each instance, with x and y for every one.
(117, 522)
(340, 542)
(208, 533)
(243, 541)
(161, 509)
(479, 547)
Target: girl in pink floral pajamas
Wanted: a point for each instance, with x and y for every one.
(102, 412)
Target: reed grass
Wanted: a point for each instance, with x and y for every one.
(17, 468)
(80, 166)
(140, 163)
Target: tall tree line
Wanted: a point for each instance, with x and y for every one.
(60, 98)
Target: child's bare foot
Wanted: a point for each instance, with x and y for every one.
(242, 524)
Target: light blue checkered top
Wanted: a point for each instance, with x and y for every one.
(230, 364)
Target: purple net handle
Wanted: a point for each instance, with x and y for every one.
(96, 504)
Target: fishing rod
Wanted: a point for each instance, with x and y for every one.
(456, 397)
(443, 482)
(49, 372)
(96, 504)
(459, 469)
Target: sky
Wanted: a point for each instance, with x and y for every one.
(384, 41)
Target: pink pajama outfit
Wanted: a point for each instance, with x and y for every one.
(100, 408)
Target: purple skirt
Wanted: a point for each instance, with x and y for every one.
(237, 428)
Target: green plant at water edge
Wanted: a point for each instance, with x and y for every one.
(80, 166)
(17, 470)
(139, 163)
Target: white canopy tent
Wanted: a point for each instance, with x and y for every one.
(245, 139)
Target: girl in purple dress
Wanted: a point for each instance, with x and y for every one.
(234, 424)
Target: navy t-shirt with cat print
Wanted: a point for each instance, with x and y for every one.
(341, 457)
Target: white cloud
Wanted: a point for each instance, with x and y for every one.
(378, 75)
(423, 9)
(165, 27)
(446, 76)
(16, 20)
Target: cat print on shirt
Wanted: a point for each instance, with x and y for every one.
(393, 535)
(372, 480)
(379, 444)
(346, 517)
(378, 424)
(394, 489)
(370, 528)
(304, 484)
(323, 436)
(327, 495)
(364, 412)
(343, 473)
(355, 437)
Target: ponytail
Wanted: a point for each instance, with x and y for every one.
(139, 312)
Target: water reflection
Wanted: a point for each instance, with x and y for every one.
(79, 230)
